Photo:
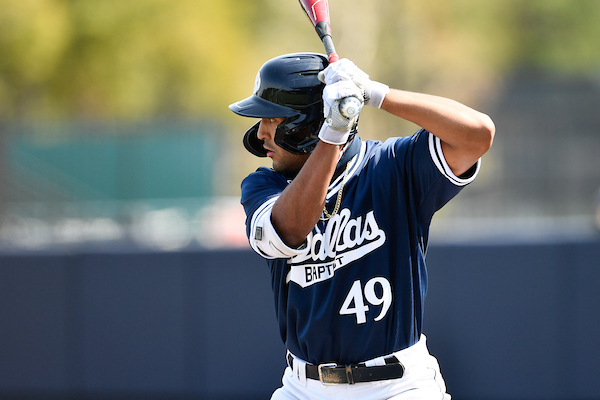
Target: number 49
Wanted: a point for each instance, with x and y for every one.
(355, 304)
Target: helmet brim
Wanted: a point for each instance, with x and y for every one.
(256, 107)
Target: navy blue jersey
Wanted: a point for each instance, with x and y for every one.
(355, 289)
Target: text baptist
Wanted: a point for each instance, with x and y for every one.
(318, 272)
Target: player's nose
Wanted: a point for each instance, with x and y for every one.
(265, 130)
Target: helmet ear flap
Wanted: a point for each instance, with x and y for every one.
(252, 143)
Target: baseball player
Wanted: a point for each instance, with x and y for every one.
(343, 224)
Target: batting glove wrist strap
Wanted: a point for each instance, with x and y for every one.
(376, 94)
(332, 136)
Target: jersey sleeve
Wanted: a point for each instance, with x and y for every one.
(429, 178)
(260, 191)
(437, 156)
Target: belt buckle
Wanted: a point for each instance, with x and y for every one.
(323, 375)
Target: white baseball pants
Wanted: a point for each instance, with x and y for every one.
(422, 380)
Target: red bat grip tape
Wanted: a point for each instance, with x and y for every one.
(317, 10)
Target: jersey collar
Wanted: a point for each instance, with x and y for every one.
(349, 151)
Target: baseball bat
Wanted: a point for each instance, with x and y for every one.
(318, 13)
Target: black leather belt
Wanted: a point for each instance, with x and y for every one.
(351, 374)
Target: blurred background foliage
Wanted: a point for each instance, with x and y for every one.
(141, 58)
(138, 61)
(119, 59)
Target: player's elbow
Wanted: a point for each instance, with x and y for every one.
(482, 135)
(293, 232)
(488, 131)
(293, 238)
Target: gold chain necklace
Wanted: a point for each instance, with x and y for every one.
(338, 201)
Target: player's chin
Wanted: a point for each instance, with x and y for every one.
(285, 169)
(288, 164)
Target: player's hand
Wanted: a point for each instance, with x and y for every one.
(336, 128)
(345, 70)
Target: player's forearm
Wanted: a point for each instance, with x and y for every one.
(300, 205)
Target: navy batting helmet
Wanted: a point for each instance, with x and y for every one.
(287, 86)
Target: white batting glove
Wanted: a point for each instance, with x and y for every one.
(336, 128)
(373, 92)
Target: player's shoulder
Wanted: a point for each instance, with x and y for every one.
(266, 176)
(260, 186)
(395, 147)
(406, 141)
(264, 171)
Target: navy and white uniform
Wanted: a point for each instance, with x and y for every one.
(355, 289)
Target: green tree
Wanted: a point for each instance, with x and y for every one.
(130, 59)
(138, 59)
